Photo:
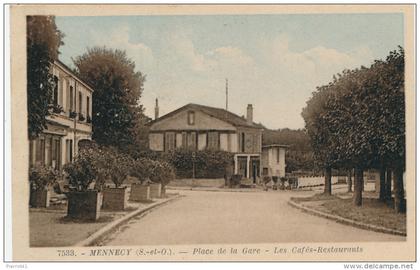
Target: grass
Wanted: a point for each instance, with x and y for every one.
(371, 212)
(316, 197)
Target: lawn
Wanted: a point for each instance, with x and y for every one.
(371, 212)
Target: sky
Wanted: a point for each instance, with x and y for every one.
(273, 62)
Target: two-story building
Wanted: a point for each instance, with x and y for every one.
(199, 127)
(67, 126)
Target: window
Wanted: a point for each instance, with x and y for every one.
(71, 99)
(169, 141)
(191, 118)
(56, 153)
(49, 150)
(184, 139)
(192, 139)
(55, 91)
(40, 151)
(80, 102)
(87, 106)
(242, 142)
(278, 155)
(213, 140)
(265, 171)
(69, 151)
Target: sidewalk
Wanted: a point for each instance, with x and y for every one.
(50, 227)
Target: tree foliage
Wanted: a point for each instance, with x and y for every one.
(117, 114)
(358, 120)
(43, 40)
(206, 163)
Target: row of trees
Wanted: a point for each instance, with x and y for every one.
(357, 121)
(118, 118)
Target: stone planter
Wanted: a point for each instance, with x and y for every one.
(40, 198)
(139, 192)
(114, 198)
(155, 190)
(84, 205)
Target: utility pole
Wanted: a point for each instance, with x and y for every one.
(227, 93)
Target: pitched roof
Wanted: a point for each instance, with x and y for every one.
(218, 113)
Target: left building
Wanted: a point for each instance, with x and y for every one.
(72, 123)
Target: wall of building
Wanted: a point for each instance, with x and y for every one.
(270, 164)
(250, 141)
(202, 121)
(62, 129)
(66, 81)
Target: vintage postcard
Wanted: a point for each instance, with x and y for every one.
(212, 133)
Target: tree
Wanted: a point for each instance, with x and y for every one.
(117, 91)
(317, 127)
(43, 41)
(346, 118)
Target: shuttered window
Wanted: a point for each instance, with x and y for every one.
(184, 139)
(169, 141)
(213, 140)
(192, 140)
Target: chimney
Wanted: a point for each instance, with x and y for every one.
(156, 109)
(249, 114)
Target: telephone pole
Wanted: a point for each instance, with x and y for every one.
(227, 93)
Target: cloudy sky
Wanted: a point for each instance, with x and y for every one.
(271, 61)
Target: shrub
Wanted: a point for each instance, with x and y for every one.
(208, 164)
(119, 165)
(157, 171)
(161, 172)
(266, 179)
(72, 114)
(83, 170)
(42, 176)
(81, 117)
(141, 169)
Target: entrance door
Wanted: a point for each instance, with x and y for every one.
(242, 170)
(255, 165)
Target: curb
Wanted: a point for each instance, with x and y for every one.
(346, 221)
(213, 190)
(110, 226)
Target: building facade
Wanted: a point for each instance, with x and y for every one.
(273, 160)
(197, 127)
(66, 127)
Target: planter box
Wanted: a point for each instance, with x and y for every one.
(155, 190)
(84, 205)
(40, 198)
(139, 192)
(114, 198)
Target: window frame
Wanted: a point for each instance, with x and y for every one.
(191, 118)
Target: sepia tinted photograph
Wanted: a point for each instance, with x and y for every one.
(189, 133)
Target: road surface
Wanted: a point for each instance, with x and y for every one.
(206, 217)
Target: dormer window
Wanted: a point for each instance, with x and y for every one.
(191, 118)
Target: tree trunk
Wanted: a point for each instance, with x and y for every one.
(327, 187)
(358, 186)
(399, 202)
(388, 180)
(349, 181)
(382, 185)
